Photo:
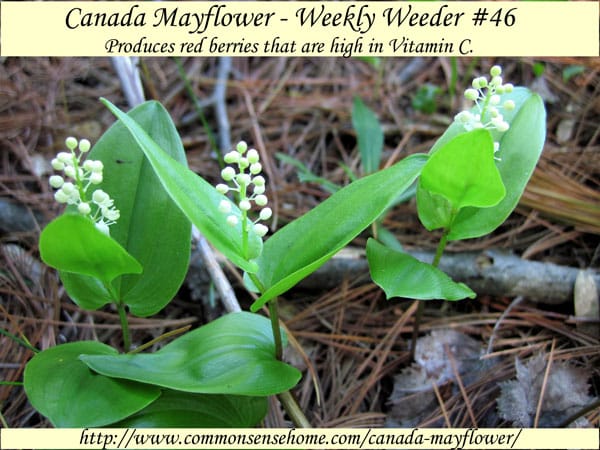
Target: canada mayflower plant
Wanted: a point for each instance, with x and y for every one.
(247, 176)
(227, 370)
(486, 95)
(97, 205)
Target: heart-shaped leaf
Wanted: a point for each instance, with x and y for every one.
(464, 172)
(65, 390)
(150, 227)
(175, 409)
(520, 150)
(234, 354)
(402, 275)
(72, 243)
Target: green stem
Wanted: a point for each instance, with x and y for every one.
(245, 233)
(124, 326)
(274, 316)
(290, 404)
(419, 314)
(18, 340)
(287, 400)
(160, 338)
(440, 248)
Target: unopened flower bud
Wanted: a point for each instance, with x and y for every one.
(509, 105)
(68, 188)
(243, 179)
(57, 164)
(255, 168)
(222, 188)
(241, 147)
(61, 197)
(471, 94)
(56, 181)
(84, 145)
(259, 189)
(100, 197)
(496, 81)
(71, 143)
(253, 156)
(84, 208)
(231, 157)
(265, 214)
(261, 200)
(243, 163)
(495, 71)
(258, 181)
(260, 229)
(97, 166)
(96, 178)
(228, 173)
(245, 205)
(225, 206)
(65, 158)
(70, 171)
(232, 220)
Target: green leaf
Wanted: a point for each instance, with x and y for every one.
(151, 227)
(402, 275)
(572, 71)
(520, 150)
(234, 354)
(464, 172)
(425, 100)
(369, 134)
(434, 210)
(66, 391)
(305, 175)
(198, 199)
(175, 409)
(72, 243)
(302, 246)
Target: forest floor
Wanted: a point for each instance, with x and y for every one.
(474, 357)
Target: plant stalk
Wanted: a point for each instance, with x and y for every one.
(156, 340)
(287, 400)
(124, 327)
(419, 314)
(274, 316)
(293, 409)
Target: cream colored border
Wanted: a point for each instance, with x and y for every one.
(275, 29)
(368, 438)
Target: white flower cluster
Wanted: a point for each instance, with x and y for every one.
(100, 208)
(486, 95)
(242, 181)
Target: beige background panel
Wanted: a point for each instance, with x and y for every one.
(276, 28)
(329, 438)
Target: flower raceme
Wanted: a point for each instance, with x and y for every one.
(100, 207)
(487, 97)
(244, 176)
